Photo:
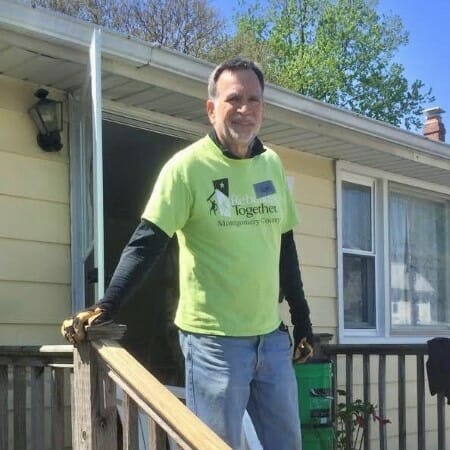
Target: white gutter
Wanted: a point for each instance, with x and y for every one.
(333, 115)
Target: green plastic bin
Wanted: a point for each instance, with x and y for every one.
(318, 438)
(314, 393)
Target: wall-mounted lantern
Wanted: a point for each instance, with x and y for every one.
(48, 116)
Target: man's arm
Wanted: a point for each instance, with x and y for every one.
(292, 290)
(138, 258)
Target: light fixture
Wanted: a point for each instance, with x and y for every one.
(48, 117)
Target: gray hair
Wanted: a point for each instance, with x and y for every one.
(233, 65)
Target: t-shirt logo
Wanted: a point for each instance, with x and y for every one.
(219, 200)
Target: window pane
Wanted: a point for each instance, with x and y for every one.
(419, 260)
(357, 216)
(359, 291)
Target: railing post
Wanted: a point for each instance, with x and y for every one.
(441, 421)
(94, 414)
(20, 406)
(366, 397)
(157, 436)
(382, 399)
(401, 387)
(57, 399)
(130, 423)
(420, 370)
(37, 407)
(348, 398)
(3, 406)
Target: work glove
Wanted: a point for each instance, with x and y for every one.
(73, 327)
(303, 344)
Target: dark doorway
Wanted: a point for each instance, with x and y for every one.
(132, 159)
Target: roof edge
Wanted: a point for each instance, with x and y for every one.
(65, 30)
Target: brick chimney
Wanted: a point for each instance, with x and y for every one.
(433, 127)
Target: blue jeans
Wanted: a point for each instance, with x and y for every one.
(227, 375)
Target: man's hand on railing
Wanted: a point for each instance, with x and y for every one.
(303, 343)
(73, 327)
(303, 351)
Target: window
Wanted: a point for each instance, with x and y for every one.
(394, 256)
(418, 259)
(358, 256)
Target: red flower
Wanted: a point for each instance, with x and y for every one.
(360, 421)
(380, 419)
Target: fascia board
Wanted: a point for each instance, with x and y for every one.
(320, 114)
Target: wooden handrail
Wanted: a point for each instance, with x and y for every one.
(47, 351)
(375, 349)
(155, 399)
(93, 427)
(36, 355)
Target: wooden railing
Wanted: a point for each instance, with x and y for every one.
(35, 386)
(405, 366)
(38, 378)
(101, 364)
(35, 382)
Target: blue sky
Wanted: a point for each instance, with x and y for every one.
(426, 57)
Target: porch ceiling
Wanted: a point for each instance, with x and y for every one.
(149, 84)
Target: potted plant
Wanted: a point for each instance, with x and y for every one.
(356, 414)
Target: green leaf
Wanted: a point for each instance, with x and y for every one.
(338, 51)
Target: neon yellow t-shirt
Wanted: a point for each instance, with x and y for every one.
(228, 215)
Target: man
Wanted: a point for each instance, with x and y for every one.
(226, 198)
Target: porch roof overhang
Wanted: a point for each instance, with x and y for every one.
(145, 83)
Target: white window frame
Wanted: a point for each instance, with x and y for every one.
(370, 183)
(354, 173)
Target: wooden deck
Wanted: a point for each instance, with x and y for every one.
(58, 397)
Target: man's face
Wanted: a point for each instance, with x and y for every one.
(236, 112)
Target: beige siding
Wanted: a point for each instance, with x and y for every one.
(16, 224)
(317, 221)
(44, 304)
(34, 261)
(316, 251)
(314, 192)
(33, 178)
(34, 225)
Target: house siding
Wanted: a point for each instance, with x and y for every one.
(34, 225)
(314, 191)
(313, 188)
